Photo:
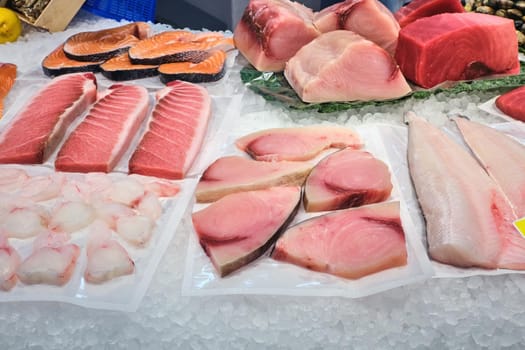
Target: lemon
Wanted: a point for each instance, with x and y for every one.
(10, 25)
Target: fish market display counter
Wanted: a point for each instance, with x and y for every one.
(182, 308)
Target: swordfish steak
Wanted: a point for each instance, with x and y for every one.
(350, 243)
(233, 174)
(175, 132)
(100, 140)
(271, 31)
(469, 221)
(347, 178)
(457, 46)
(240, 227)
(40, 126)
(343, 66)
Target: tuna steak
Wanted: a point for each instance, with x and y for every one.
(49, 113)
(98, 143)
(501, 156)
(469, 221)
(350, 243)
(330, 69)
(368, 18)
(175, 132)
(271, 31)
(240, 227)
(233, 174)
(299, 143)
(347, 178)
(425, 8)
(446, 47)
(511, 103)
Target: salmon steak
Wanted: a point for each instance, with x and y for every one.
(106, 43)
(350, 243)
(347, 178)
(177, 46)
(211, 68)
(233, 174)
(48, 113)
(297, 143)
(240, 227)
(120, 68)
(57, 63)
(7, 80)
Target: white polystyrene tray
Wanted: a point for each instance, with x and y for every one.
(268, 276)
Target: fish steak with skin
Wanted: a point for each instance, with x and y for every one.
(457, 46)
(350, 243)
(57, 63)
(368, 18)
(331, 69)
(48, 113)
(240, 227)
(7, 80)
(468, 218)
(270, 32)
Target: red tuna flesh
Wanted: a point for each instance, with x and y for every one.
(457, 46)
(240, 227)
(512, 103)
(175, 132)
(233, 174)
(300, 143)
(347, 178)
(331, 68)
(350, 243)
(271, 31)
(37, 130)
(98, 143)
(468, 219)
(425, 8)
(368, 18)
(501, 156)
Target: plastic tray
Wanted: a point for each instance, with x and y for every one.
(119, 9)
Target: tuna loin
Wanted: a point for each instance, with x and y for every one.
(99, 142)
(299, 143)
(175, 132)
(501, 156)
(40, 126)
(446, 47)
(425, 8)
(350, 243)
(233, 174)
(240, 227)
(271, 31)
(469, 221)
(347, 178)
(512, 103)
(368, 18)
(331, 68)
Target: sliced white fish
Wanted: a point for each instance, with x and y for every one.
(71, 216)
(149, 205)
(136, 229)
(43, 188)
(126, 191)
(12, 179)
(110, 212)
(25, 222)
(9, 262)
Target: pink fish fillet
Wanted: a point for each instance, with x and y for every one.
(175, 133)
(347, 178)
(343, 66)
(98, 143)
(469, 221)
(300, 143)
(271, 31)
(350, 243)
(39, 127)
(233, 174)
(240, 227)
(9, 262)
(501, 156)
(368, 18)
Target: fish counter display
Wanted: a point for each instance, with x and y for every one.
(271, 227)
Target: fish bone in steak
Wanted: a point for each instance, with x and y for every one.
(457, 46)
(343, 66)
(38, 128)
(271, 31)
(100, 140)
(175, 132)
